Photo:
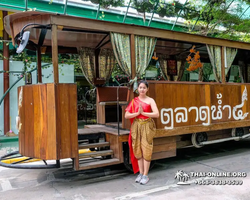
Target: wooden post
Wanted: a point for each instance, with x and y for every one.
(132, 54)
(39, 65)
(223, 76)
(6, 80)
(97, 53)
(54, 53)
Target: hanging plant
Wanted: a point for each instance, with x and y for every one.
(144, 5)
(194, 62)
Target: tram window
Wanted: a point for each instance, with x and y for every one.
(233, 75)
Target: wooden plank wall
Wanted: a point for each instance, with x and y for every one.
(185, 95)
(164, 148)
(49, 121)
(67, 128)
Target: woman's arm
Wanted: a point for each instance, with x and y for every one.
(155, 113)
(129, 115)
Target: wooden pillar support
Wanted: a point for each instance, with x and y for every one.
(223, 76)
(133, 69)
(6, 79)
(39, 65)
(54, 53)
(97, 53)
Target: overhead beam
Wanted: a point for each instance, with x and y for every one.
(97, 46)
(96, 25)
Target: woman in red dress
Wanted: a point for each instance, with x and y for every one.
(140, 111)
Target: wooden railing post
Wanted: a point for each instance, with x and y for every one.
(54, 53)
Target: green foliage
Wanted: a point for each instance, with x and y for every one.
(220, 18)
(216, 18)
(107, 3)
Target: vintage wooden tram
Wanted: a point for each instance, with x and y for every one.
(191, 113)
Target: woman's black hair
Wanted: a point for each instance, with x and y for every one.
(143, 81)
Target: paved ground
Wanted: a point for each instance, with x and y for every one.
(116, 183)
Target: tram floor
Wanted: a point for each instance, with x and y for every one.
(115, 182)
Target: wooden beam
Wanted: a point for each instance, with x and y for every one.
(145, 31)
(132, 50)
(54, 53)
(200, 128)
(223, 76)
(39, 65)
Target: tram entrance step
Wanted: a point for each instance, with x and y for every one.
(93, 145)
(96, 154)
(99, 163)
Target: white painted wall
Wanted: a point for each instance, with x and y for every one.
(66, 76)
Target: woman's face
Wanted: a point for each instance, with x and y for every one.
(142, 89)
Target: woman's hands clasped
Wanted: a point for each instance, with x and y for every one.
(140, 111)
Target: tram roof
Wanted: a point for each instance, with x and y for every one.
(76, 32)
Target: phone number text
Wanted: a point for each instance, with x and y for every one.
(218, 182)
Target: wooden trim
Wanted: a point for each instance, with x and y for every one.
(200, 128)
(145, 31)
(54, 53)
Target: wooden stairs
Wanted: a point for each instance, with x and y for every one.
(100, 156)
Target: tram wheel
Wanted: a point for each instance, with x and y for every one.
(197, 138)
(237, 132)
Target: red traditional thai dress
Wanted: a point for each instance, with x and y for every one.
(141, 133)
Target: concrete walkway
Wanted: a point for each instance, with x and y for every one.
(116, 183)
